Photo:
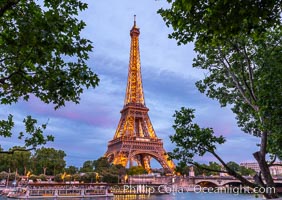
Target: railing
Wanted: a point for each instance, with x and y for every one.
(135, 139)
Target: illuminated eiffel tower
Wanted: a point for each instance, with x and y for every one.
(135, 139)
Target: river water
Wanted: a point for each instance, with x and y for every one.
(190, 195)
(181, 196)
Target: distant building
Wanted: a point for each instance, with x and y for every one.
(251, 165)
(274, 170)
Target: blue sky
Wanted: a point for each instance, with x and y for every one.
(83, 130)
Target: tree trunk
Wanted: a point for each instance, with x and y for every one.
(44, 170)
(269, 183)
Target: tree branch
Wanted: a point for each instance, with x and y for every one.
(19, 72)
(251, 75)
(227, 66)
(275, 164)
(14, 150)
(234, 173)
(273, 161)
(206, 168)
(258, 179)
(2, 60)
(249, 87)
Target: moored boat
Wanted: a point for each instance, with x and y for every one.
(56, 191)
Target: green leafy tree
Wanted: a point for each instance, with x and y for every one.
(136, 170)
(101, 164)
(110, 178)
(242, 55)
(42, 54)
(101, 170)
(247, 171)
(3, 175)
(71, 170)
(183, 170)
(234, 166)
(215, 168)
(113, 174)
(18, 162)
(192, 140)
(3, 162)
(48, 161)
(108, 172)
(89, 177)
(217, 20)
(87, 166)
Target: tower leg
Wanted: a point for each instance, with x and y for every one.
(146, 163)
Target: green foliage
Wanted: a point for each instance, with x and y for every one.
(89, 177)
(239, 44)
(242, 55)
(183, 170)
(71, 170)
(37, 137)
(44, 160)
(234, 166)
(241, 169)
(3, 175)
(42, 177)
(48, 161)
(190, 139)
(42, 54)
(87, 166)
(6, 126)
(246, 171)
(106, 171)
(101, 164)
(110, 178)
(136, 170)
(212, 169)
(58, 178)
(19, 161)
(211, 21)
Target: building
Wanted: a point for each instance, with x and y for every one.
(274, 170)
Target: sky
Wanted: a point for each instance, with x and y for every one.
(83, 130)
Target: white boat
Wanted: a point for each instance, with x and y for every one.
(5, 191)
(60, 191)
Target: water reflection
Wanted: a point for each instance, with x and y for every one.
(148, 197)
(173, 196)
(188, 195)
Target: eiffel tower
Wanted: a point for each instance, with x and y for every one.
(135, 139)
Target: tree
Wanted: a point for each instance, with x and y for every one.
(102, 170)
(208, 170)
(183, 170)
(234, 166)
(48, 161)
(242, 55)
(16, 162)
(71, 170)
(101, 164)
(87, 166)
(42, 54)
(209, 21)
(136, 170)
(89, 177)
(247, 171)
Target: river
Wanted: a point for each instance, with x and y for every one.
(182, 196)
(192, 196)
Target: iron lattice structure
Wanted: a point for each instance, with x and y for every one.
(135, 138)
